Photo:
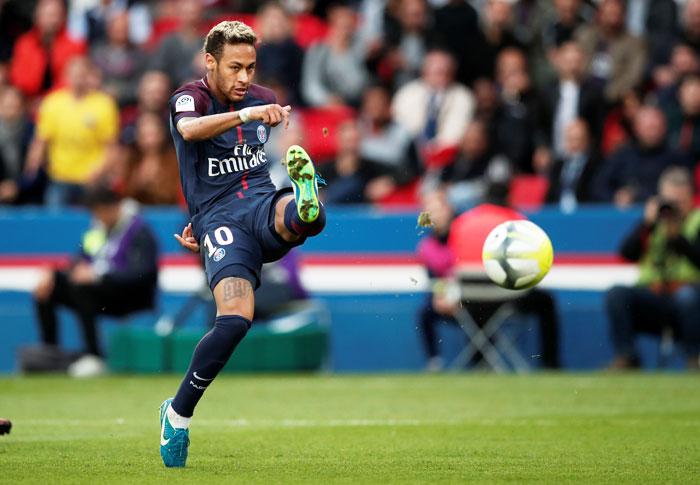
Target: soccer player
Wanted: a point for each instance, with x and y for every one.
(220, 124)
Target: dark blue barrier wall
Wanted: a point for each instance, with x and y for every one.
(369, 331)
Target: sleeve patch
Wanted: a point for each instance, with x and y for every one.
(184, 103)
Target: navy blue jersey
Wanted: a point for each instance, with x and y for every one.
(227, 170)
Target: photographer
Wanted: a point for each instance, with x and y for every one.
(667, 246)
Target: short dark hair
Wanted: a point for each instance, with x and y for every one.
(228, 32)
(100, 195)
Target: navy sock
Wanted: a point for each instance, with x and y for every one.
(210, 356)
(307, 229)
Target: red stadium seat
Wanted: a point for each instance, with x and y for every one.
(435, 157)
(162, 27)
(309, 29)
(320, 126)
(528, 191)
(404, 197)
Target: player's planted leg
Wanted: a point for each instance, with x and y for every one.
(234, 300)
(305, 216)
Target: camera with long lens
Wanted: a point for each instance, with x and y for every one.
(668, 210)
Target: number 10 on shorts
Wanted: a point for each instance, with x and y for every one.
(223, 237)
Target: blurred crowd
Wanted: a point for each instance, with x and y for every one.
(575, 101)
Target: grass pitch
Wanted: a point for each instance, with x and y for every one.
(636, 428)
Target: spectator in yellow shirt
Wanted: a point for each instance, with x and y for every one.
(76, 131)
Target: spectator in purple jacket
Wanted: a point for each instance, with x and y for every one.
(115, 274)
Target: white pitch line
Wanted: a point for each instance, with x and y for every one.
(22, 426)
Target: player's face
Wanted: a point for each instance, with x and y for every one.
(235, 70)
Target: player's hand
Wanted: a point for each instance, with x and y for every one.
(271, 114)
(187, 240)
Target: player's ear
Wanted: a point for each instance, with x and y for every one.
(210, 61)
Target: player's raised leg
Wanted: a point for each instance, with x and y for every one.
(304, 216)
(234, 299)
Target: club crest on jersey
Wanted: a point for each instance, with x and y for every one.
(262, 134)
(219, 254)
(184, 103)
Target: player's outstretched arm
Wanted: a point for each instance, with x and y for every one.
(187, 240)
(206, 127)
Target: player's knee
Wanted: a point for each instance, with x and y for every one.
(235, 309)
(232, 326)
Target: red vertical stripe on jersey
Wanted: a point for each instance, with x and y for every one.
(244, 184)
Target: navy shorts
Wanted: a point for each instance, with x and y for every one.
(236, 240)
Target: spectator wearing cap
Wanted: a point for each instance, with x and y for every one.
(115, 273)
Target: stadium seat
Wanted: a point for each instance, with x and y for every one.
(438, 157)
(309, 29)
(404, 197)
(320, 126)
(528, 191)
(478, 294)
(162, 27)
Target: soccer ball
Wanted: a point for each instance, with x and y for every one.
(517, 255)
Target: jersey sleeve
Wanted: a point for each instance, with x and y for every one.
(187, 104)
